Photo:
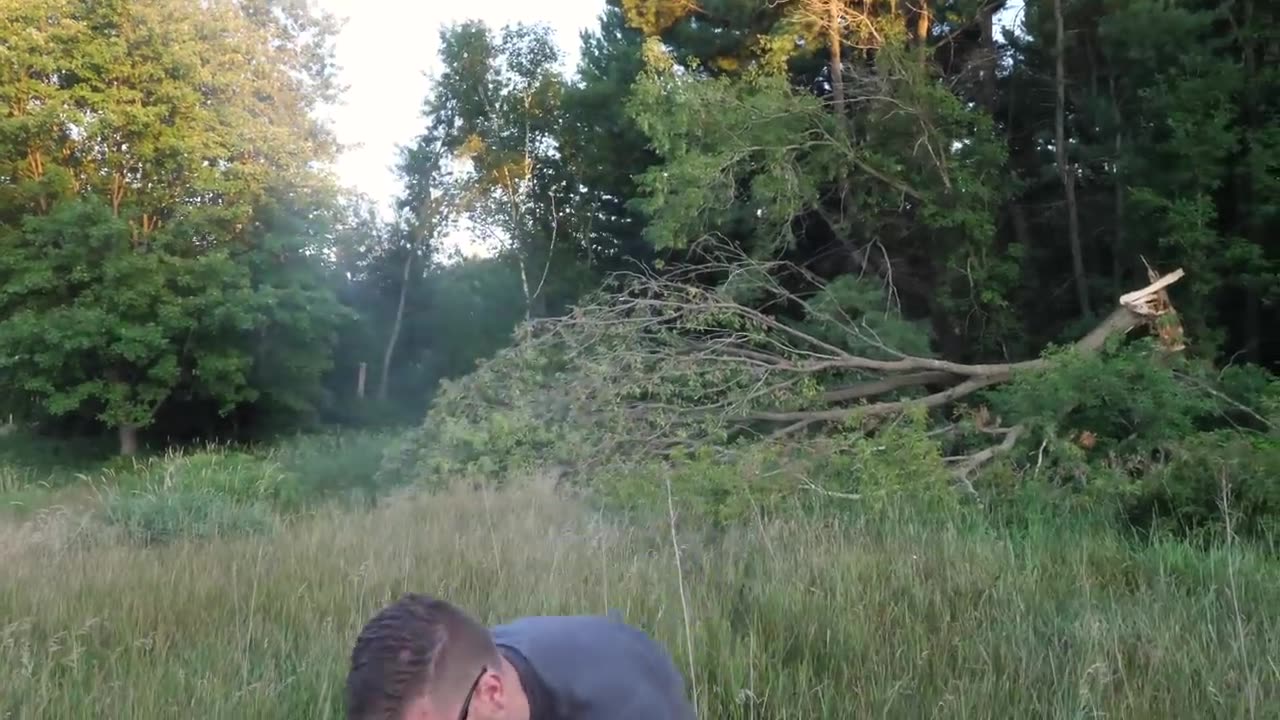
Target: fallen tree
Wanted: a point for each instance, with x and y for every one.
(722, 349)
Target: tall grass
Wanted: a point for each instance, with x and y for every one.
(37, 471)
(208, 481)
(893, 616)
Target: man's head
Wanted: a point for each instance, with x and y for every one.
(422, 658)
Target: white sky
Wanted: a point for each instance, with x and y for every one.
(385, 51)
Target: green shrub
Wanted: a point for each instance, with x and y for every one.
(153, 518)
(333, 464)
(31, 458)
(1130, 400)
(499, 421)
(1209, 480)
(1152, 444)
(710, 486)
(845, 472)
(238, 476)
(631, 397)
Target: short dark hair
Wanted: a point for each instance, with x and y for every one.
(416, 644)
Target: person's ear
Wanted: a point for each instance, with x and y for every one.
(491, 694)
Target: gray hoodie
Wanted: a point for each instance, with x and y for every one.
(597, 668)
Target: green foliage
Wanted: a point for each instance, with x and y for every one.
(297, 316)
(1134, 404)
(96, 327)
(325, 466)
(621, 395)
(497, 109)
(235, 476)
(862, 303)
(161, 211)
(754, 157)
(291, 476)
(475, 307)
(715, 135)
(56, 460)
(93, 325)
(847, 473)
(1214, 483)
(1167, 123)
(716, 487)
(1167, 446)
(603, 147)
(171, 250)
(161, 517)
(496, 421)
(620, 404)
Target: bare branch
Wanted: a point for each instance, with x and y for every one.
(938, 399)
(882, 386)
(967, 464)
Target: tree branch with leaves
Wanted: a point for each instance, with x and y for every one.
(728, 347)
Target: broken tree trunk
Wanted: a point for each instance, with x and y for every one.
(1149, 306)
(1144, 306)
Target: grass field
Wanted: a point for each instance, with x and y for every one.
(888, 616)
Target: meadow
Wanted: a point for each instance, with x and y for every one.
(248, 611)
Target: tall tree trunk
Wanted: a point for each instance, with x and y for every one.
(128, 435)
(1252, 326)
(836, 67)
(524, 285)
(989, 60)
(1117, 269)
(1022, 236)
(837, 63)
(923, 20)
(535, 300)
(1247, 223)
(1117, 263)
(384, 380)
(587, 240)
(1067, 171)
(1027, 265)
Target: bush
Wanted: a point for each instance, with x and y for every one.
(617, 383)
(222, 491)
(499, 421)
(1153, 446)
(750, 481)
(333, 464)
(30, 458)
(669, 381)
(238, 476)
(289, 476)
(1210, 480)
(1126, 403)
(154, 518)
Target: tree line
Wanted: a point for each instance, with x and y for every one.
(177, 262)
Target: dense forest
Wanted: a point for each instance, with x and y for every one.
(926, 199)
